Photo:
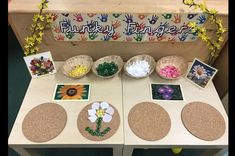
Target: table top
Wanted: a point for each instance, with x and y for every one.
(122, 92)
(178, 134)
(114, 6)
(41, 90)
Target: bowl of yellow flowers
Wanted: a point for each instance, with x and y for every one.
(77, 66)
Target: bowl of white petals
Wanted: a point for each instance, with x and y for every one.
(140, 66)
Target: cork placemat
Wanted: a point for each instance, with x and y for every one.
(83, 122)
(203, 121)
(149, 121)
(44, 122)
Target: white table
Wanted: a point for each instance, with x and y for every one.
(123, 92)
(41, 90)
(138, 90)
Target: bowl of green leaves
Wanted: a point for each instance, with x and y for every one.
(108, 66)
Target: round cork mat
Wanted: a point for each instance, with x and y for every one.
(203, 121)
(149, 121)
(83, 122)
(44, 122)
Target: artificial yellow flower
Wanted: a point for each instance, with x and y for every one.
(45, 6)
(34, 37)
(212, 19)
(196, 7)
(219, 22)
(203, 6)
(203, 30)
(221, 30)
(49, 18)
(40, 6)
(35, 19)
(33, 26)
(212, 54)
(39, 40)
(41, 18)
(31, 43)
(213, 11)
(40, 34)
(36, 49)
(26, 53)
(192, 24)
(39, 26)
(189, 2)
(26, 46)
(211, 48)
(217, 45)
(27, 39)
(203, 37)
(32, 51)
(220, 39)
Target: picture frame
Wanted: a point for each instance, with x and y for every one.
(200, 73)
(166, 91)
(41, 64)
(72, 92)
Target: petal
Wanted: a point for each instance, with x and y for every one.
(91, 112)
(110, 110)
(95, 105)
(104, 105)
(107, 118)
(92, 118)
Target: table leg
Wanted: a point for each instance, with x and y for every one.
(222, 152)
(25, 152)
(117, 150)
(127, 150)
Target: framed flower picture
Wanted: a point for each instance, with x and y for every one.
(72, 92)
(166, 92)
(40, 64)
(200, 73)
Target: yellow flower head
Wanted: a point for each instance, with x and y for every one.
(203, 30)
(189, 2)
(40, 34)
(192, 24)
(213, 11)
(203, 6)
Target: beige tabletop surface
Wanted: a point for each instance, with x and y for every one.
(138, 90)
(41, 90)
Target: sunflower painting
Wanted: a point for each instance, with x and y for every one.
(200, 73)
(66, 92)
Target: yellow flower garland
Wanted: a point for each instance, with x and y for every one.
(37, 28)
(213, 45)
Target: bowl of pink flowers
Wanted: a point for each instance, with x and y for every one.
(171, 67)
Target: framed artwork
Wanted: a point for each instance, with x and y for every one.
(166, 92)
(200, 73)
(72, 92)
(40, 64)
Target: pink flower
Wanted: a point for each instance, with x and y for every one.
(170, 72)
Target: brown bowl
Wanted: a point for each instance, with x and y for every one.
(177, 61)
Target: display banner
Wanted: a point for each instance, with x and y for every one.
(125, 27)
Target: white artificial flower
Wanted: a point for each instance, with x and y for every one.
(100, 109)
